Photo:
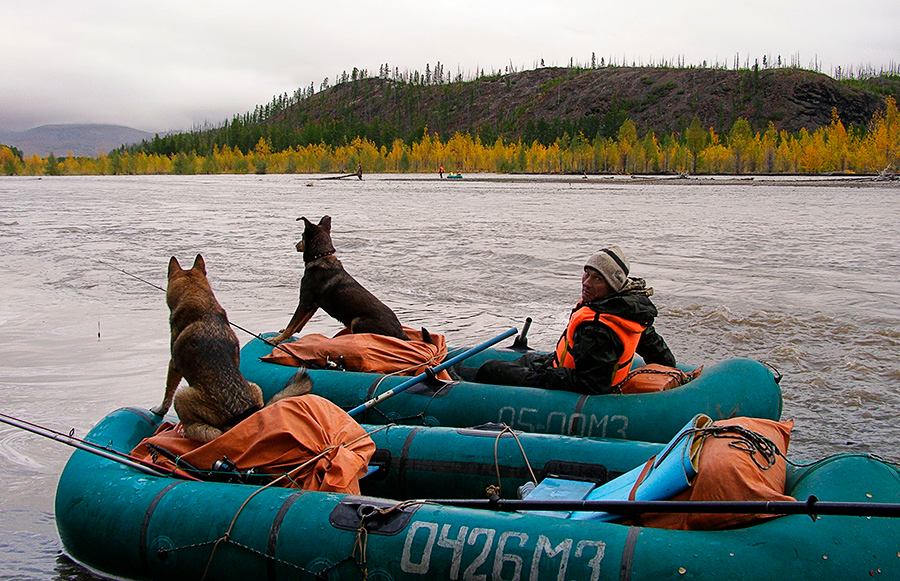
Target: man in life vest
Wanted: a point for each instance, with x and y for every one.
(612, 322)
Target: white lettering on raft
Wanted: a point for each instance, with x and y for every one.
(510, 555)
(562, 423)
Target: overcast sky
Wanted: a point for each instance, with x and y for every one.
(170, 65)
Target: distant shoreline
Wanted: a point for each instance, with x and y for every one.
(718, 180)
(798, 180)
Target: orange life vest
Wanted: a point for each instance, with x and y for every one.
(629, 332)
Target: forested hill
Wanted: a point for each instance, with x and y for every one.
(545, 104)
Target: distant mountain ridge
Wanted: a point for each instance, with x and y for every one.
(78, 140)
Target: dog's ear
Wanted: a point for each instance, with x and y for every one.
(199, 264)
(173, 266)
(325, 223)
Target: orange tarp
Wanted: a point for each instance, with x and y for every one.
(730, 473)
(277, 439)
(365, 352)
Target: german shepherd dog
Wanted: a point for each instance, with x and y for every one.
(206, 353)
(326, 284)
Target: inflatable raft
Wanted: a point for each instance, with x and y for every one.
(121, 522)
(735, 387)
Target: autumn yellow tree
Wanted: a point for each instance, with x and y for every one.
(695, 140)
(398, 157)
(678, 157)
(767, 144)
(10, 164)
(651, 152)
(582, 153)
(883, 141)
(627, 139)
(715, 156)
(422, 154)
(812, 151)
(34, 165)
(740, 139)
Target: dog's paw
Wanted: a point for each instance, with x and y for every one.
(159, 410)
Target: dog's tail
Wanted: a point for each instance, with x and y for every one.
(300, 384)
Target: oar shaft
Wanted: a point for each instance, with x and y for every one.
(812, 506)
(421, 377)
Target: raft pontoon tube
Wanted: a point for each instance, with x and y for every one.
(731, 388)
(122, 522)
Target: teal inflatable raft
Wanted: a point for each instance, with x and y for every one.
(121, 522)
(735, 387)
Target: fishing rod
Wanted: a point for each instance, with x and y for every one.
(233, 324)
(96, 449)
(156, 286)
(812, 506)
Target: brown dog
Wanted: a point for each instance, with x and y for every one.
(206, 353)
(326, 284)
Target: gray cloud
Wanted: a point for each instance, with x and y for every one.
(171, 65)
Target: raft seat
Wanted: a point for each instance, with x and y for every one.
(556, 488)
(663, 476)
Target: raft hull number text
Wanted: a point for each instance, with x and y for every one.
(563, 423)
(505, 556)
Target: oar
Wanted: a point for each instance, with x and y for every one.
(521, 342)
(422, 376)
(125, 459)
(812, 506)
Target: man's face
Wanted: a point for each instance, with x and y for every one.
(593, 286)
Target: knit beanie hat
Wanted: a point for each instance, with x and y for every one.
(612, 264)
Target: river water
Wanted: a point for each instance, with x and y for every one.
(799, 273)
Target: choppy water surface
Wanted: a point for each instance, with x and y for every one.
(800, 274)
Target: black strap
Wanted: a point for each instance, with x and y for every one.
(575, 426)
(628, 553)
(274, 531)
(143, 549)
(616, 259)
(404, 456)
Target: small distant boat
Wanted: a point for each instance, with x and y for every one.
(454, 176)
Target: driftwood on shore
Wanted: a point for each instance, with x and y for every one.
(358, 174)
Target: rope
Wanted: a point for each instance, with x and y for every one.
(744, 439)
(287, 476)
(679, 376)
(506, 429)
(747, 441)
(361, 544)
(255, 552)
(420, 416)
(413, 367)
(362, 534)
(404, 371)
